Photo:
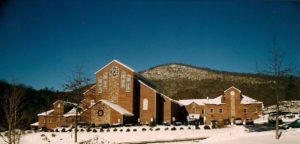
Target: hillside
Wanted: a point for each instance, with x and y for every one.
(181, 81)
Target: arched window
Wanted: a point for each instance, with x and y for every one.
(145, 104)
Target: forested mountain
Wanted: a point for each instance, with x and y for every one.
(181, 81)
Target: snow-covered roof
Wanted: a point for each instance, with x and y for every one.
(189, 101)
(72, 112)
(116, 62)
(35, 124)
(216, 101)
(248, 100)
(46, 112)
(117, 108)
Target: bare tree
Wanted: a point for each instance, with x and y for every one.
(76, 87)
(276, 68)
(11, 102)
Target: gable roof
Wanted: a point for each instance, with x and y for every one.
(115, 62)
(232, 87)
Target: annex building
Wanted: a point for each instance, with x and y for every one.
(122, 96)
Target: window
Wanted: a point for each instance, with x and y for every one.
(92, 102)
(145, 104)
(202, 111)
(100, 85)
(211, 110)
(245, 111)
(128, 82)
(44, 120)
(193, 110)
(220, 110)
(123, 78)
(105, 80)
(255, 110)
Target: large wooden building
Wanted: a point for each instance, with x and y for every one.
(121, 96)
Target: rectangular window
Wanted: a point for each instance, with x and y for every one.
(123, 78)
(202, 111)
(220, 110)
(245, 111)
(105, 76)
(44, 120)
(128, 82)
(193, 111)
(211, 110)
(255, 110)
(100, 85)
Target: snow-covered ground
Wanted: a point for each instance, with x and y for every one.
(231, 135)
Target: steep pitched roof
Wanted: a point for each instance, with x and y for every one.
(115, 62)
(232, 87)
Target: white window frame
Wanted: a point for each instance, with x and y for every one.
(211, 110)
(145, 104)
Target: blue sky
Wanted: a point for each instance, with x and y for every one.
(43, 41)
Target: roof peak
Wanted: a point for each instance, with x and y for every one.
(116, 61)
(233, 88)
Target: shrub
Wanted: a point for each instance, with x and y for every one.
(166, 128)
(82, 130)
(63, 130)
(152, 124)
(56, 130)
(128, 130)
(101, 130)
(121, 130)
(44, 129)
(53, 135)
(206, 127)
(108, 130)
(173, 128)
(88, 129)
(157, 129)
(115, 130)
(134, 130)
(70, 130)
(42, 135)
(94, 130)
(151, 129)
(144, 129)
(181, 128)
(189, 128)
(51, 130)
(197, 127)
